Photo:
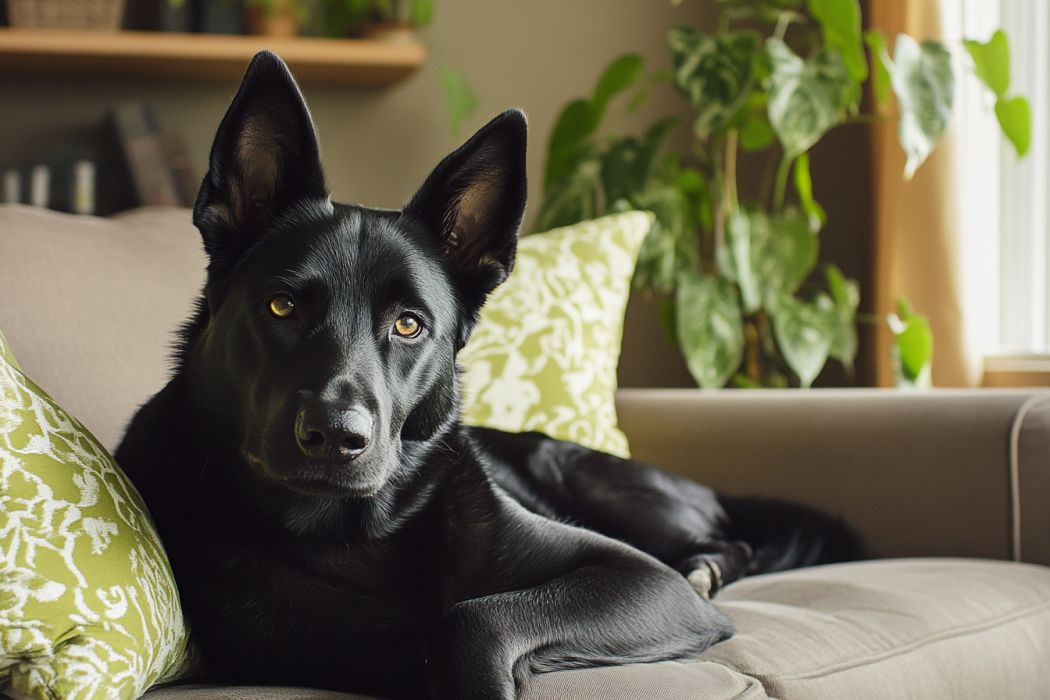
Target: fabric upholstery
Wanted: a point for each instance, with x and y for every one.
(894, 630)
(916, 473)
(88, 605)
(544, 354)
(97, 303)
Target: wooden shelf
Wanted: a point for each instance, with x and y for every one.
(202, 57)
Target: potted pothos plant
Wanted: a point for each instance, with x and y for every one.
(742, 295)
(374, 18)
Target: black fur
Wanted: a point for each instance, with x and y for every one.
(328, 521)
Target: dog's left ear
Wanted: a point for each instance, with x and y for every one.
(264, 159)
(474, 202)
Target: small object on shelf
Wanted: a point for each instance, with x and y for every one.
(83, 187)
(66, 14)
(177, 153)
(40, 186)
(12, 186)
(139, 137)
(280, 18)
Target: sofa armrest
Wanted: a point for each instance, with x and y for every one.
(948, 472)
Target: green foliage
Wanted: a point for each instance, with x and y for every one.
(880, 59)
(806, 98)
(840, 27)
(460, 100)
(991, 62)
(741, 292)
(922, 78)
(913, 347)
(715, 72)
(1015, 120)
(340, 18)
(710, 328)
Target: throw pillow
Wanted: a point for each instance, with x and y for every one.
(543, 356)
(88, 605)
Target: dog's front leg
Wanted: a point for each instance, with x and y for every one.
(619, 607)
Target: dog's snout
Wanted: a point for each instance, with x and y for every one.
(327, 433)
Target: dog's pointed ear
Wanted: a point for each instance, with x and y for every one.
(474, 202)
(264, 159)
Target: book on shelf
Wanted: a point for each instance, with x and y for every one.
(158, 162)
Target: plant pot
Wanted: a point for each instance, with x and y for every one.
(104, 15)
(281, 21)
(393, 32)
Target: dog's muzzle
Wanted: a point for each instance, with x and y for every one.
(327, 433)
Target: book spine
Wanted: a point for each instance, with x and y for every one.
(144, 153)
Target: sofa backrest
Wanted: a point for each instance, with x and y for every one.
(90, 304)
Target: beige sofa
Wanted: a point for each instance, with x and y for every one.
(946, 486)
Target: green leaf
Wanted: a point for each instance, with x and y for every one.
(913, 349)
(656, 267)
(638, 100)
(668, 313)
(629, 163)
(756, 134)
(924, 82)
(806, 98)
(767, 256)
(991, 61)
(804, 333)
(421, 12)
(738, 242)
(714, 72)
(710, 328)
(1015, 119)
(845, 294)
(804, 185)
(880, 60)
(840, 24)
(784, 251)
(621, 74)
(460, 100)
(576, 123)
(572, 199)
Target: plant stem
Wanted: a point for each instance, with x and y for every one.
(732, 138)
(782, 25)
(780, 187)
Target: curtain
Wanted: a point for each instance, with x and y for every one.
(917, 245)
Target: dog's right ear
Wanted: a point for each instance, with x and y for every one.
(264, 159)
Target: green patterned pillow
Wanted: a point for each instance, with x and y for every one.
(88, 605)
(544, 354)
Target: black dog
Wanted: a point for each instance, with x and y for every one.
(329, 522)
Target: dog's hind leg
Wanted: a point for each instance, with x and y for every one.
(788, 536)
(676, 520)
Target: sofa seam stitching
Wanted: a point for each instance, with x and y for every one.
(918, 644)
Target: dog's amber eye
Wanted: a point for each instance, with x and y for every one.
(407, 326)
(282, 306)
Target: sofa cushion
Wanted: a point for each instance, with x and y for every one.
(929, 629)
(901, 628)
(96, 302)
(544, 354)
(88, 605)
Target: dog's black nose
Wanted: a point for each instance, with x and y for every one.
(325, 433)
